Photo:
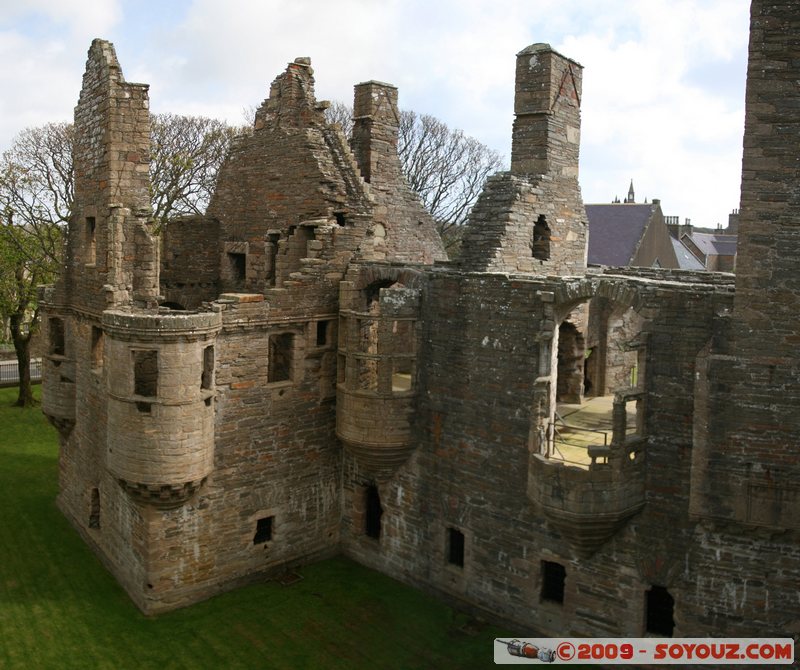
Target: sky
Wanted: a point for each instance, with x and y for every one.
(663, 80)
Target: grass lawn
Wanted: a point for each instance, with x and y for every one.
(59, 608)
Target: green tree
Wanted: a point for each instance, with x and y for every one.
(36, 201)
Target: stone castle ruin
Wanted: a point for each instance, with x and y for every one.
(301, 372)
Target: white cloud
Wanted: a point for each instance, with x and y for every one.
(663, 79)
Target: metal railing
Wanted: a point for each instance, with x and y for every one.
(559, 438)
(9, 372)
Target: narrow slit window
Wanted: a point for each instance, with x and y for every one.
(263, 530)
(455, 547)
(280, 357)
(660, 608)
(374, 512)
(206, 379)
(91, 225)
(145, 373)
(553, 577)
(94, 509)
(272, 258)
(97, 348)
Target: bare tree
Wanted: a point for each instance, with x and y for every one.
(36, 202)
(445, 167)
(185, 156)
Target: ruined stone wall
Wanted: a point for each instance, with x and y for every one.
(746, 468)
(110, 225)
(404, 230)
(478, 369)
(190, 261)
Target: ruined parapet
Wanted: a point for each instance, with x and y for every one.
(160, 402)
(112, 257)
(403, 230)
(291, 100)
(377, 373)
(532, 219)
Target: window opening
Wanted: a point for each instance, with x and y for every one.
(322, 333)
(340, 218)
(374, 512)
(263, 530)
(280, 357)
(145, 373)
(94, 509)
(238, 267)
(57, 337)
(97, 348)
(455, 547)
(553, 577)
(660, 609)
(541, 239)
(90, 240)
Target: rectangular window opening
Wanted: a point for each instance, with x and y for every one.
(206, 378)
(145, 373)
(553, 577)
(272, 258)
(263, 530)
(660, 608)
(341, 369)
(97, 348)
(402, 374)
(56, 327)
(455, 547)
(374, 512)
(94, 509)
(322, 333)
(280, 357)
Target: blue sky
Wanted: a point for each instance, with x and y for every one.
(664, 80)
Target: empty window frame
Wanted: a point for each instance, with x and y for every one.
(56, 328)
(145, 373)
(540, 245)
(553, 577)
(455, 547)
(280, 357)
(263, 530)
(659, 612)
(373, 512)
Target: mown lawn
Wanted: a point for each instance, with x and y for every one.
(59, 608)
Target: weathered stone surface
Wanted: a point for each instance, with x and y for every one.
(325, 375)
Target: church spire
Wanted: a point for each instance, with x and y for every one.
(631, 197)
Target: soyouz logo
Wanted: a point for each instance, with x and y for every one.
(645, 650)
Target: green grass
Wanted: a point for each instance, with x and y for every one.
(59, 608)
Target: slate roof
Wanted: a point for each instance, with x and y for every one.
(686, 259)
(713, 244)
(615, 231)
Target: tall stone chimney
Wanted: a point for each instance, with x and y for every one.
(546, 135)
(376, 121)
